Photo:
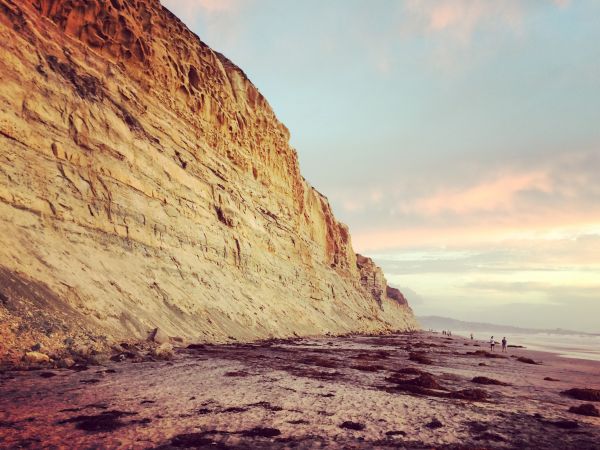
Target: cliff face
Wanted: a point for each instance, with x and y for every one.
(144, 181)
(373, 281)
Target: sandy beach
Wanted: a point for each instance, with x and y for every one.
(398, 391)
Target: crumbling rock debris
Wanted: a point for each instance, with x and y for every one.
(36, 357)
(158, 336)
(164, 351)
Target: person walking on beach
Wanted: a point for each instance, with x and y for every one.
(492, 343)
(471, 336)
(504, 344)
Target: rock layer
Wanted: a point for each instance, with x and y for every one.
(145, 182)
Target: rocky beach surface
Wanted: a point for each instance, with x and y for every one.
(412, 390)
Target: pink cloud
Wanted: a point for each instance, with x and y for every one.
(383, 65)
(189, 8)
(358, 201)
(545, 228)
(493, 195)
(460, 19)
(541, 204)
(562, 3)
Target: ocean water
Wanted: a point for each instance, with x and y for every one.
(567, 345)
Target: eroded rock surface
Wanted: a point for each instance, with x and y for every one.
(145, 182)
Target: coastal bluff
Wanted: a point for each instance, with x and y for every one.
(145, 182)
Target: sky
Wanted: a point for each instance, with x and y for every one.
(458, 139)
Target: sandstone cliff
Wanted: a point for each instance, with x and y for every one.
(144, 181)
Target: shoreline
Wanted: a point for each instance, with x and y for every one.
(411, 390)
(88, 355)
(545, 343)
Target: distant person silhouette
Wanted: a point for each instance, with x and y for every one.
(503, 344)
(492, 343)
(471, 336)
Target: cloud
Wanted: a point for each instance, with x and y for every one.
(579, 254)
(553, 280)
(383, 65)
(462, 18)
(458, 31)
(476, 230)
(497, 194)
(188, 9)
(562, 3)
(549, 198)
(551, 290)
(359, 200)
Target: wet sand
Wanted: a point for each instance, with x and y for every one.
(397, 391)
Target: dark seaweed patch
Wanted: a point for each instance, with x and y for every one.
(235, 409)
(266, 405)
(195, 440)
(489, 436)
(238, 373)
(298, 422)
(261, 432)
(587, 409)
(591, 395)
(370, 368)
(47, 374)
(349, 425)
(420, 358)
(434, 424)
(490, 381)
(103, 422)
(470, 394)
(395, 433)
(526, 360)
